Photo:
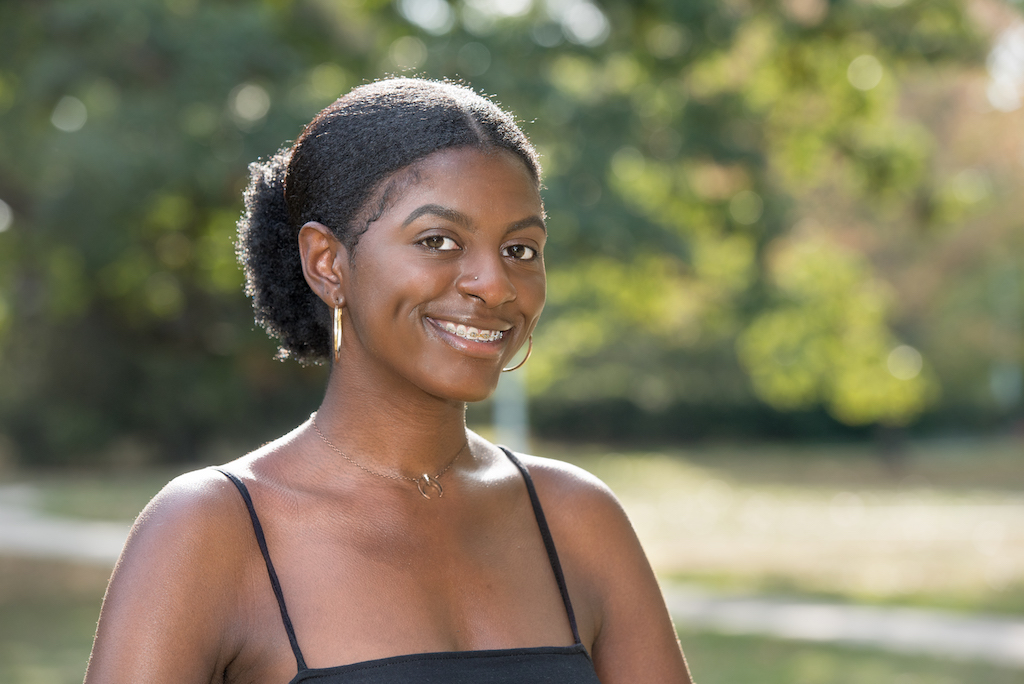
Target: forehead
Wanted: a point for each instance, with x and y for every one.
(490, 178)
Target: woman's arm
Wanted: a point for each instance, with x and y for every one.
(170, 611)
(610, 579)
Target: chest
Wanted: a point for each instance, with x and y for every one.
(359, 587)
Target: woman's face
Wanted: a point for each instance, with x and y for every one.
(449, 282)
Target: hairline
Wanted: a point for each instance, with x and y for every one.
(387, 191)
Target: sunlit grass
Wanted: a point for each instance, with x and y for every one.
(942, 525)
(48, 613)
(721, 659)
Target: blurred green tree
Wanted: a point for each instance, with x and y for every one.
(682, 143)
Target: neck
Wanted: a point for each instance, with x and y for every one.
(404, 433)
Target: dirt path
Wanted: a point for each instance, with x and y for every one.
(940, 634)
(25, 532)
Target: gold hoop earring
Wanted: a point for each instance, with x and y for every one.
(529, 350)
(337, 334)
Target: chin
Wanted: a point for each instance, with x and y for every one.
(469, 391)
(479, 396)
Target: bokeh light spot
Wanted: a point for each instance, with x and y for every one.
(69, 115)
(628, 163)
(433, 16)
(806, 12)
(971, 186)
(905, 362)
(583, 22)
(474, 59)
(547, 34)
(249, 103)
(328, 81)
(666, 40)
(864, 72)
(6, 216)
(746, 207)
(1005, 91)
(501, 8)
(408, 52)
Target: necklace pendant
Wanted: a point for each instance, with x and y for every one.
(424, 482)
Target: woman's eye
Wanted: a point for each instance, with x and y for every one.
(439, 243)
(520, 252)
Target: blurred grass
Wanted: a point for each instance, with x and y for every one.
(726, 659)
(961, 465)
(1008, 601)
(935, 524)
(48, 613)
(114, 495)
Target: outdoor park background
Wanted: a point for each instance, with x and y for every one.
(786, 281)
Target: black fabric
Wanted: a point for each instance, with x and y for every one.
(549, 543)
(274, 582)
(547, 665)
(543, 665)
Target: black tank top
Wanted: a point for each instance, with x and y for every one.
(541, 665)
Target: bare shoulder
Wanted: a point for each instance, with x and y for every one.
(589, 524)
(570, 493)
(192, 515)
(176, 588)
(194, 496)
(621, 614)
(565, 477)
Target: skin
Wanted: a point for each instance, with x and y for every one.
(370, 568)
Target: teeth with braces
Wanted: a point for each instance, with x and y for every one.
(468, 332)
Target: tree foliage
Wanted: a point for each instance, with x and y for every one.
(705, 166)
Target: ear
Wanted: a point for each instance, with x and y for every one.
(324, 261)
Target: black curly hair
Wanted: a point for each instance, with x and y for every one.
(341, 172)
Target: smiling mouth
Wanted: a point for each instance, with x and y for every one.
(468, 332)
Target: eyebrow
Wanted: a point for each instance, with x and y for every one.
(464, 221)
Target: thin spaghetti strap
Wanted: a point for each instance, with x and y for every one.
(549, 543)
(262, 541)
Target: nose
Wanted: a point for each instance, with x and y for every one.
(486, 279)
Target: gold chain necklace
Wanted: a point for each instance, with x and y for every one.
(423, 483)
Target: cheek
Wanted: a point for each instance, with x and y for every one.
(534, 293)
(390, 289)
(539, 285)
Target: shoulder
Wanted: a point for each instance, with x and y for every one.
(566, 489)
(588, 522)
(179, 587)
(618, 604)
(206, 488)
(194, 527)
(197, 505)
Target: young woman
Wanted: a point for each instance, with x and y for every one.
(401, 238)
